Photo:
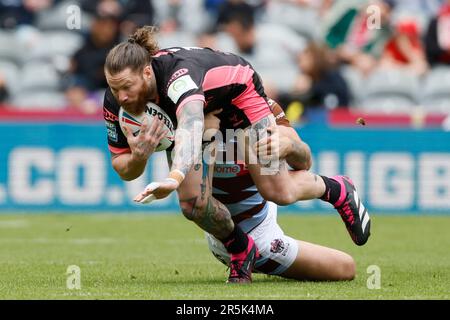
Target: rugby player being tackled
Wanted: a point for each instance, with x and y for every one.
(188, 83)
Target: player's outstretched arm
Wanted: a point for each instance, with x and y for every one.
(187, 152)
(188, 137)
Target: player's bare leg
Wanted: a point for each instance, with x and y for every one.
(273, 179)
(278, 184)
(285, 256)
(315, 262)
(198, 205)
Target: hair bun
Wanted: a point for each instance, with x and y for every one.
(145, 37)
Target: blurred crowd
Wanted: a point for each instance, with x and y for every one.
(382, 56)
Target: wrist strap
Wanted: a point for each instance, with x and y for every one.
(177, 175)
(172, 180)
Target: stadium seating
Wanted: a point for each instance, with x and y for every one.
(40, 99)
(38, 88)
(354, 80)
(387, 104)
(10, 72)
(39, 75)
(390, 91)
(278, 65)
(191, 16)
(9, 48)
(51, 45)
(284, 27)
(282, 78)
(436, 91)
(56, 18)
(301, 19)
(176, 39)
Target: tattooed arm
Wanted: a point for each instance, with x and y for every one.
(188, 137)
(187, 152)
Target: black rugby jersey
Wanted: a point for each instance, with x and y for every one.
(221, 80)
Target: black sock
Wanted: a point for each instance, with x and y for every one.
(332, 190)
(237, 241)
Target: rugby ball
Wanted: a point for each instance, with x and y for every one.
(152, 111)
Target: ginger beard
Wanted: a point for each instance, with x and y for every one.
(137, 106)
(132, 90)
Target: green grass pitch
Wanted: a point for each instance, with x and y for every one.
(147, 256)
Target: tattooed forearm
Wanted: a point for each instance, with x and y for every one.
(188, 137)
(205, 180)
(259, 129)
(262, 124)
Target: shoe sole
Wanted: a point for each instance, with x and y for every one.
(360, 230)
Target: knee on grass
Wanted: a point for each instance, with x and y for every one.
(346, 268)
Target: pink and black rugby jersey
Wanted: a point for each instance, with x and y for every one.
(221, 80)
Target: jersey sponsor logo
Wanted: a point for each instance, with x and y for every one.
(226, 170)
(176, 75)
(180, 86)
(112, 131)
(109, 116)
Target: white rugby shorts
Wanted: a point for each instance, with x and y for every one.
(277, 250)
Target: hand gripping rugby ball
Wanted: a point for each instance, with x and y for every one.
(152, 111)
